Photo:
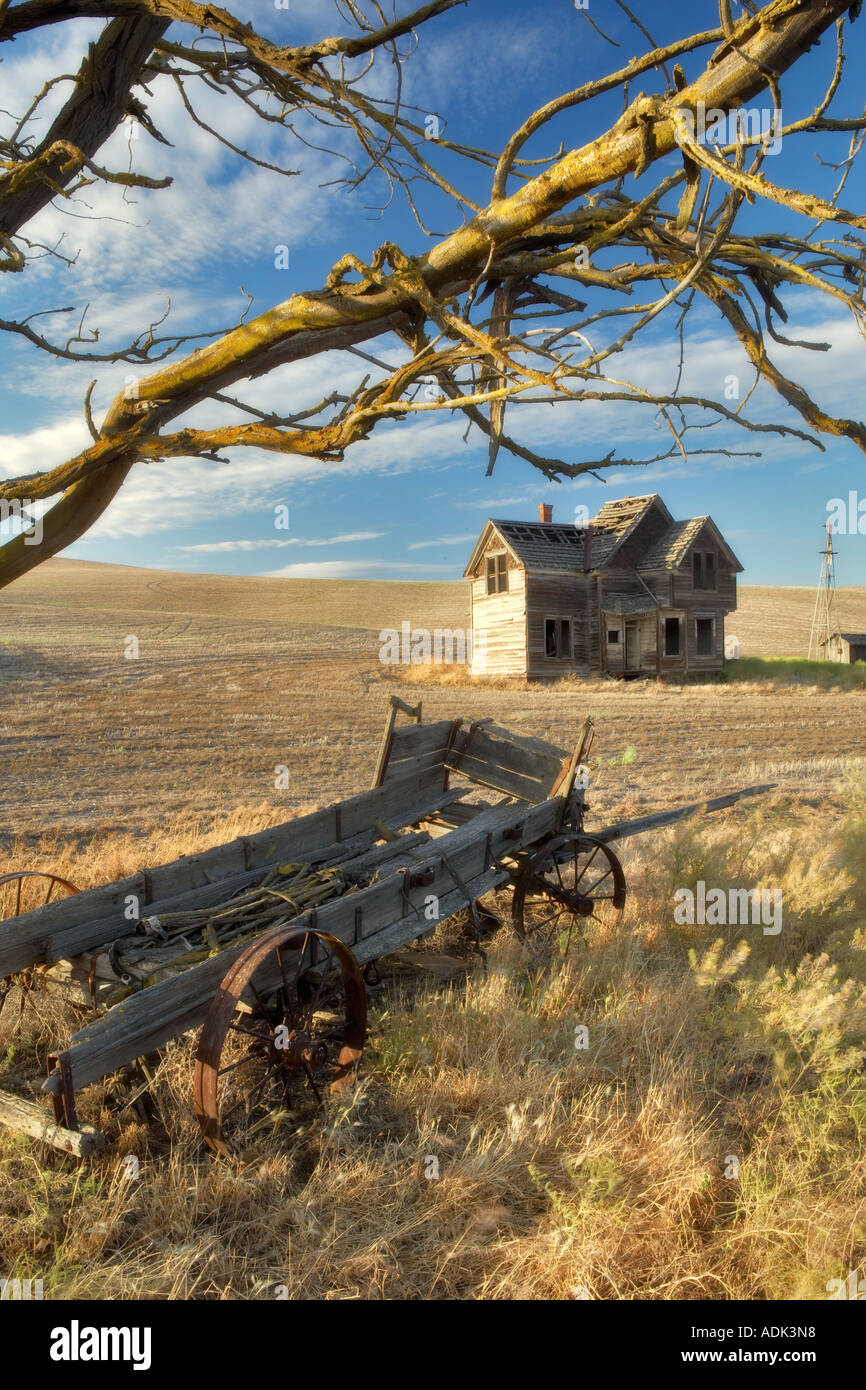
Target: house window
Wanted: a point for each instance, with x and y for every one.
(704, 569)
(557, 638)
(704, 634)
(613, 634)
(672, 636)
(497, 574)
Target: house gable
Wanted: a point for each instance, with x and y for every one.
(636, 523)
(491, 539)
(674, 547)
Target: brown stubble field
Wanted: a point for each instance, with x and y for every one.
(236, 677)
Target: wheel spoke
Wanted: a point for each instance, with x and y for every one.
(245, 1100)
(587, 865)
(250, 1032)
(242, 1062)
(333, 982)
(311, 1080)
(287, 991)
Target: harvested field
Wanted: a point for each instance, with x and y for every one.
(236, 677)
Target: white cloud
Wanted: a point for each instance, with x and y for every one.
(442, 540)
(358, 569)
(296, 540)
(42, 448)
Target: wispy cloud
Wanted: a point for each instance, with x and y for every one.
(358, 569)
(343, 539)
(442, 540)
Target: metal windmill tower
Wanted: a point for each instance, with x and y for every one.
(825, 620)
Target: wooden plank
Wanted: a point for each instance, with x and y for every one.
(24, 940)
(419, 738)
(391, 938)
(148, 1019)
(85, 936)
(385, 747)
(487, 774)
(415, 766)
(90, 936)
(539, 745)
(395, 704)
(28, 1117)
(513, 757)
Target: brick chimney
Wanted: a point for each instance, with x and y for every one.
(545, 512)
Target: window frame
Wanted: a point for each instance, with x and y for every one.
(705, 567)
(496, 569)
(678, 619)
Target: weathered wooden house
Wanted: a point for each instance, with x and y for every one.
(845, 646)
(633, 592)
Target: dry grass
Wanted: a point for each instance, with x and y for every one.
(560, 1171)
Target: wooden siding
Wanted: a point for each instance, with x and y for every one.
(571, 596)
(499, 627)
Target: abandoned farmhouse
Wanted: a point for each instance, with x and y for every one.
(633, 592)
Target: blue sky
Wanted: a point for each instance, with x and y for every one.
(409, 502)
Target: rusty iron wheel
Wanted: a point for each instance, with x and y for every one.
(301, 1040)
(22, 891)
(565, 882)
(26, 889)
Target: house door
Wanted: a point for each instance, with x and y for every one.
(632, 646)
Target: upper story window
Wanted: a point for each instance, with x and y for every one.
(704, 569)
(497, 574)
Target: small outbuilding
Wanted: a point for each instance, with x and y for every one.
(845, 646)
(633, 592)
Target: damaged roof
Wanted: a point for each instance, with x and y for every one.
(540, 545)
(631, 599)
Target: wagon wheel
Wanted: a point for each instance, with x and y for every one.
(564, 882)
(26, 889)
(22, 891)
(301, 1040)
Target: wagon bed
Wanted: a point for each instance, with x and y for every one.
(263, 942)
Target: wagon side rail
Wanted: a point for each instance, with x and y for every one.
(455, 870)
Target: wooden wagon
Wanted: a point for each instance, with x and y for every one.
(264, 943)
